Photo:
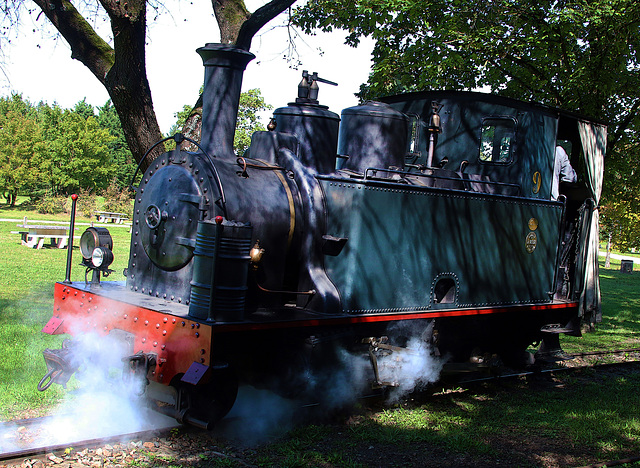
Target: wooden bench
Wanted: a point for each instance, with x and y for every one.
(105, 216)
(34, 235)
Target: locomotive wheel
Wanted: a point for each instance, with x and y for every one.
(211, 401)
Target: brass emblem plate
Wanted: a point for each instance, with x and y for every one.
(531, 242)
(533, 224)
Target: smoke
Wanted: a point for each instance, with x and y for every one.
(404, 359)
(99, 404)
(410, 370)
(258, 416)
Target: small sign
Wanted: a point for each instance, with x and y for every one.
(195, 373)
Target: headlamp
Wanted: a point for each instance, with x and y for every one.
(96, 248)
(101, 257)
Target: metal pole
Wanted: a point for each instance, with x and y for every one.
(74, 199)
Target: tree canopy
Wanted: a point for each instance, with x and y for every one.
(577, 55)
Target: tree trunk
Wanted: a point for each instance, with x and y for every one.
(607, 260)
(126, 81)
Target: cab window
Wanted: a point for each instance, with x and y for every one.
(497, 140)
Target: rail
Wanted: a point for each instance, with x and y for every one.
(466, 182)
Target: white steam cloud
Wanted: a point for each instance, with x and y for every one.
(103, 404)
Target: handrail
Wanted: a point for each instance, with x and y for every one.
(435, 176)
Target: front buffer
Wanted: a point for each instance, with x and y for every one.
(160, 346)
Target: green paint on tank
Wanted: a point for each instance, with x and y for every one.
(402, 240)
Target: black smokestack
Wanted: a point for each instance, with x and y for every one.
(224, 67)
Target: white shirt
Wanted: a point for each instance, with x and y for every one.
(562, 172)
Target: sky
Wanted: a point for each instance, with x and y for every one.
(41, 69)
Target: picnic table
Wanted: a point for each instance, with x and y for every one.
(34, 235)
(104, 216)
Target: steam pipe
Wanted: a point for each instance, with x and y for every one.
(183, 417)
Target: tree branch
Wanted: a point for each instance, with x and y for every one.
(258, 19)
(86, 45)
(624, 123)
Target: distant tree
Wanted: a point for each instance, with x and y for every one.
(76, 153)
(21, 145)
(84, 109)
(251, 104)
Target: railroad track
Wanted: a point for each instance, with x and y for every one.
(551, 369)
(27, 438)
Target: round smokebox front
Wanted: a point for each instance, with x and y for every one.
(168, 216)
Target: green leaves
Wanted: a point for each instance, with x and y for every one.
(48, 149)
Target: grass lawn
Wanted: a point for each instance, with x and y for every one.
(27, 278)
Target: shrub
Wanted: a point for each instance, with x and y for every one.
(87, 202)
(50, 204)
(117, 199)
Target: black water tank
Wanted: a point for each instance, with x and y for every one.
(316, 128)
(373, 135)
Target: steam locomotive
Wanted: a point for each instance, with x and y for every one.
(429, 211)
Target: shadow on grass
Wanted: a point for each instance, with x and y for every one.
(571, 420)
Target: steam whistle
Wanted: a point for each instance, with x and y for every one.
(308, 87)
